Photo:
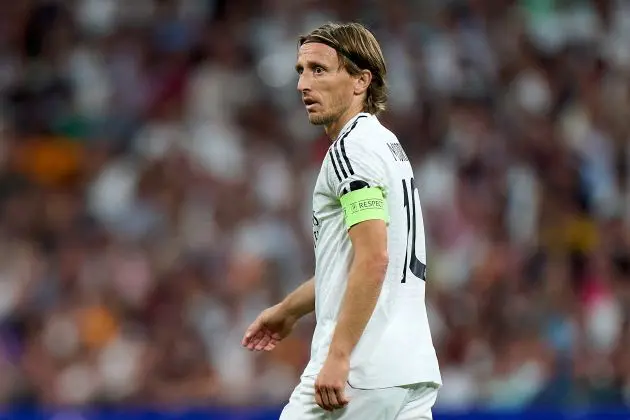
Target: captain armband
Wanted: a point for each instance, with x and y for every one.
(364, 204)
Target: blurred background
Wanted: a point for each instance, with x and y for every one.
(156, 172)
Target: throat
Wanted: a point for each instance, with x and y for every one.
(334, 128)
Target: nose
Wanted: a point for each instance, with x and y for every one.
(303, 84)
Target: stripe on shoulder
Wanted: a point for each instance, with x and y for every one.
(332, 159)
(339, 148)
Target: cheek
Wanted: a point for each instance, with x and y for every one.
(334, 94)
(342, 100)
(339, 95)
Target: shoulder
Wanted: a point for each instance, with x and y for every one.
(359, 156)
(365, 138)
(371, 129)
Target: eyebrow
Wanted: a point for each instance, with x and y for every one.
(299, 67)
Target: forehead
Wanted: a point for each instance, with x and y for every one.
(317, 52)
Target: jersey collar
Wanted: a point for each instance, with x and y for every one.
(347, 126)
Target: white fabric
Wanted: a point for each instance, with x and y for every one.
(413, 402)
(396, 347)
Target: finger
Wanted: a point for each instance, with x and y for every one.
(263, 342)
(318, 398)
(250, 334)
(251, 331)
(332, 397)
(271, 345)
(254, 340)
(251, 340)
(326, 399)
(341, 397)
(323, 396)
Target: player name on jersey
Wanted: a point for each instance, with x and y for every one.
(398, 152)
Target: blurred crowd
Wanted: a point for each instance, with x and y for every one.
(156, 172)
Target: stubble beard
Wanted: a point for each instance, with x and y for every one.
(322, 119)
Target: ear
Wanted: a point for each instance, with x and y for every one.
(362, 82)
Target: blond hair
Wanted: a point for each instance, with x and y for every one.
(358, 50)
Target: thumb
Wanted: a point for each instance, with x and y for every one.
(253, 328)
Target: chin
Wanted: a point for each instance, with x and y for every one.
(319, 119)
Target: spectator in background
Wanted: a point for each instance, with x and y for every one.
(148, 209)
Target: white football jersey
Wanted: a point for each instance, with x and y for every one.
(396, 347)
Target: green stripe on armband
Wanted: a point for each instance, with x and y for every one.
(364, 204)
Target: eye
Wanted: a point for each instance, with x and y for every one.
(318, 70)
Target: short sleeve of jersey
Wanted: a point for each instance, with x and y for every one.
(354, 165)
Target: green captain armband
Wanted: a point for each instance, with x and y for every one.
(364, 204)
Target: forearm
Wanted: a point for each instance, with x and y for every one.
(301, 301)
(365, 282)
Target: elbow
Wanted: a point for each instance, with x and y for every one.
(382, 260)
(377, 264)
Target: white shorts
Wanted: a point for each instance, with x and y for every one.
(409, 402)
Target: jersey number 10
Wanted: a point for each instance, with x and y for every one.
(412, 263)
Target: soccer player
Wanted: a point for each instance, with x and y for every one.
(372, 355)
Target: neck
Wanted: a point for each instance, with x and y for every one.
(333, 129)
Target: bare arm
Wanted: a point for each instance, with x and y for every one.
(367, 272)
(275, 323)
(301, 301)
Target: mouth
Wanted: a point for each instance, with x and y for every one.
(309, 103)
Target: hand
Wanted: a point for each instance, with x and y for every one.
(331, 382)
(272, 325)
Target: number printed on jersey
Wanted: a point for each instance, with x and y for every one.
(316, 224)
(412, 264)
